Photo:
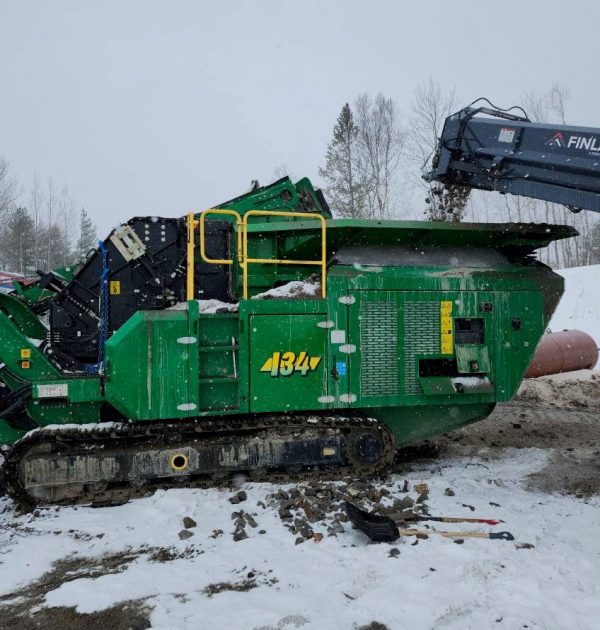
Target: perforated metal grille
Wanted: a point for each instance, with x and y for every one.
(421, 336)
(379, 348)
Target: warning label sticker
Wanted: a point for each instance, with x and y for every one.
(60, 390)
(507, 134)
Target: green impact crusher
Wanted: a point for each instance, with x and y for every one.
(421, 326)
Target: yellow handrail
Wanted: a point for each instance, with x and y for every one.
(192, 223)
(242, 245)
(280, 213)
(216, 261)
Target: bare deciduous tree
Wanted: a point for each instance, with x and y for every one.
(9, 188)
(380, 143)
(429, 109)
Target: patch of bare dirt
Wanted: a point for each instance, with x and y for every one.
(130, 615)
(569, 472)
(560, 416)
(23, 609)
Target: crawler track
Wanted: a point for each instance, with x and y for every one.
(109, 464)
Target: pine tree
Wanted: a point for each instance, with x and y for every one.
(87, 235)
(59, 250)
(344, 189)
(18, 241)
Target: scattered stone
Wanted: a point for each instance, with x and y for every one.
(281, 494)
(524, 546)
(238, 497)
(468, 506)
(432, 569)
(285, 514)
(374, 625)
(299, 540)
(405, 486)
(516, 425)
(394, 552)
(421, 488)
(188, 522)
(449, 492)
(458, 541)
(216, 533)
(494, 504)
(261, 504)
(262, 531)
(403, 504)
(306, 531)
(239, 522)
(240, 534)
(335, 529)
(250, 520)
(185, 533)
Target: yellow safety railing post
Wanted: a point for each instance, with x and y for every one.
(191, 224)
(238, 218)
(277, 213)
(242, 245)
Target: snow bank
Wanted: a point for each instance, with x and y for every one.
(580, 305)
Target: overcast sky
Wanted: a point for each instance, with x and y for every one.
(147, 107)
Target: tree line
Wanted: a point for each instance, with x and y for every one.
(373, 163)
(371, 169)
(43, 230)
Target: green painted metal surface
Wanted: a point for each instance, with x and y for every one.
(288, 362)
(425, 326)
(152, 366)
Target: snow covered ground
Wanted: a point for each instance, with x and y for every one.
(533, 464)
(580, 305)
(98, 559)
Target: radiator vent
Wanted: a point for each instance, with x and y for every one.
(421, 336)
(379, 349)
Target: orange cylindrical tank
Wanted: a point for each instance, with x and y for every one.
(564, 351)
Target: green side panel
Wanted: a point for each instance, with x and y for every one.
(393, 334)
(24, 319)
(19, 354)
(8, 435)
(288, 362)
(152, 366)
(219, 374)
(437, 385)
(467, 353)
(411, 424)
(516, 345)
(62, 411)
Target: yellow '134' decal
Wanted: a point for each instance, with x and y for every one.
(286, 363)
